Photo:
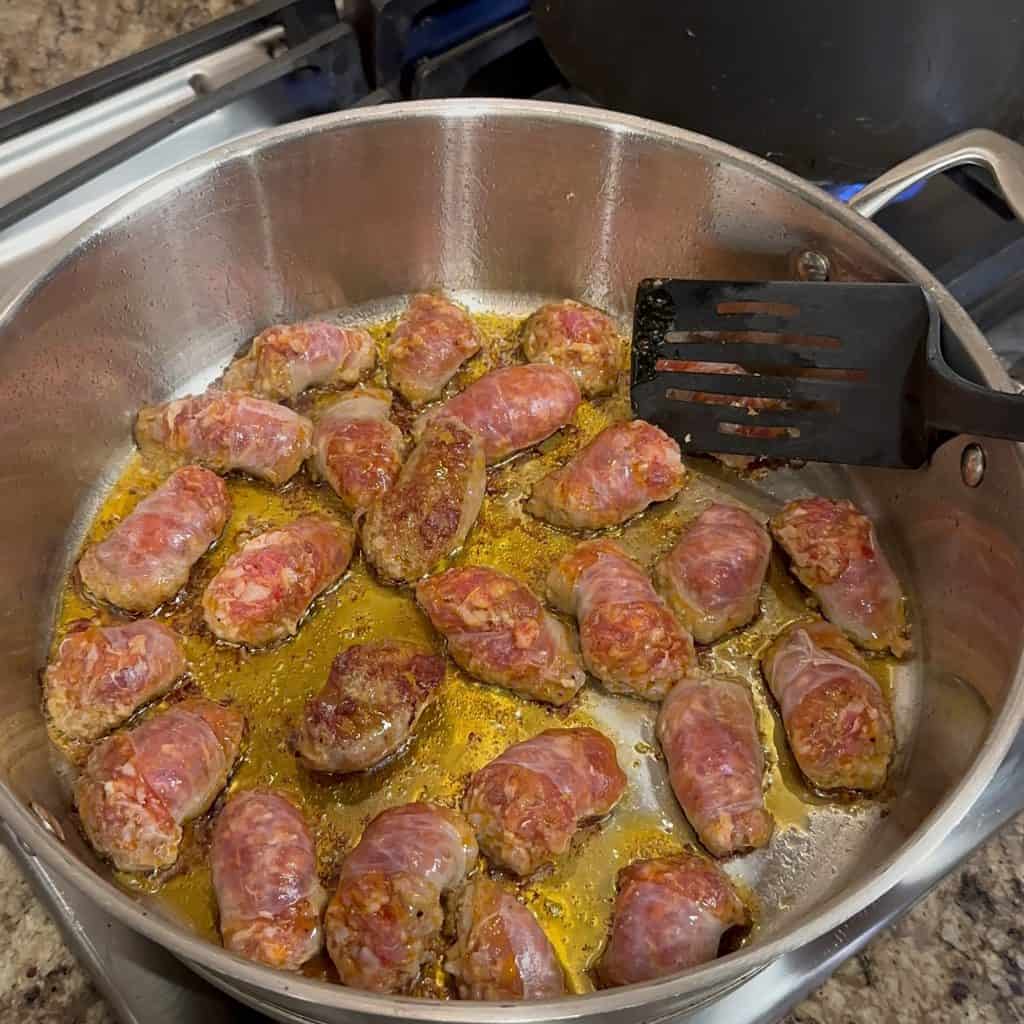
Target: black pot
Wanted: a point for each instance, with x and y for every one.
(834, 91)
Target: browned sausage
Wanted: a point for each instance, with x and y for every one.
(374, 696)
(429, 510)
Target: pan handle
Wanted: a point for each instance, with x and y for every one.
(1003, 158)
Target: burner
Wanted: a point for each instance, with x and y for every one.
(408, 31)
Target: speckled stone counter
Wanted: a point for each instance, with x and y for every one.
(958, 958)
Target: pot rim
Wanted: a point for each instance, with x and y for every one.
(214, 960)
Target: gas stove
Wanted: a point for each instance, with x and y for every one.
(66, 154)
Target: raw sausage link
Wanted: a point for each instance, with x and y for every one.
(140, 786)
(670, 914)
(147, 557)
(357, 449)
(837, 720)
(432, 339)
(835, 554)
(526, 804)
(266, 587)
(269, 896)
(630, 639)
(513, 408)
(501, 952)
(374, 696)
(429, 510)
(625, 468)
(498, 631)
(230, 430)
(578, 338)
(708, 733)
(102, 675)
(712, 578)
(387, 909)
(286, 359)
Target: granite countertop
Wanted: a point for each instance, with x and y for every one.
(957, 958)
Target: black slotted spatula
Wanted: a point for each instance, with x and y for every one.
(830, 372)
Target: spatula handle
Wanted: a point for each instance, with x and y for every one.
(959, 405)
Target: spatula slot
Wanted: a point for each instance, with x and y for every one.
(753, 405)
(788, 338)
(811, 373)
(746, 353)
(785, 310)
(699, 413)
(732, 380)
(740, 430)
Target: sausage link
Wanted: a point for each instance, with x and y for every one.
(630, 639)
(708, 732)
(429, 510)
(501, 952)
(102, 675)
(670, 914)
(622, 471)
(578, 338)
(498, 631)
(512, 408)
(386, 911)
(140, 786)
(266, 587)
(229, 430)
(369, 707)
(286, 359)
(526, 804)
(431, 340)
(269, 896)
(835, 554)
(147, 557)
(837, 720)
(712, 578)
(357, 449)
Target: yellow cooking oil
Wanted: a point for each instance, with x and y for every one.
(470, 723)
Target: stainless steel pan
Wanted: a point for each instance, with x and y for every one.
(502, 202)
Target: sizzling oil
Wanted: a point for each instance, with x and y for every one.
(470, 723)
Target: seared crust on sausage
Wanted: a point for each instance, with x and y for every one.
(429, 510)
(526, 804)
(373, 698)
